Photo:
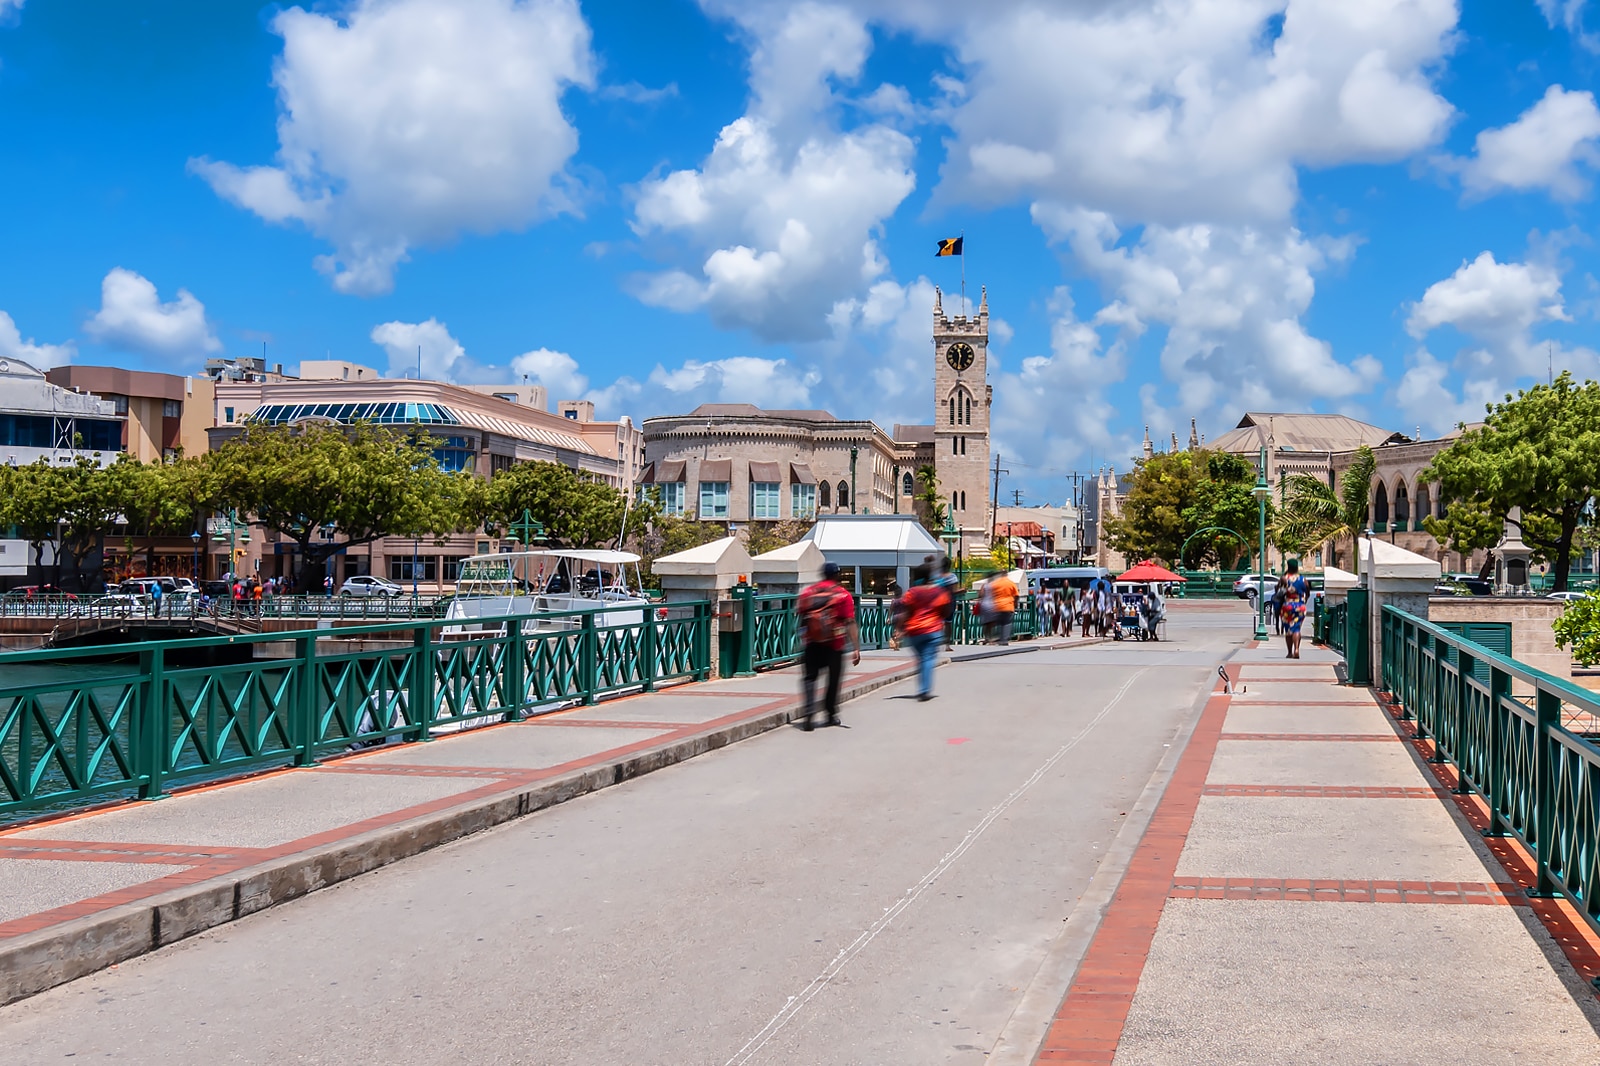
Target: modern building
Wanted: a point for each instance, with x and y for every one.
(162, 415)
(479, 431)
(1056, 530)
(738, 463)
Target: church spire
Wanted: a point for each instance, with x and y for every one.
(1149, 449)
(938, 301)
(1194, 436)
(1174, 442)
(983, 305)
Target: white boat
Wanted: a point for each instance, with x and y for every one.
(550, 580)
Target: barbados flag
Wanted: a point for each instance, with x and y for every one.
(952, 246)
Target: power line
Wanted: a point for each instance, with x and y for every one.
(1016, 497)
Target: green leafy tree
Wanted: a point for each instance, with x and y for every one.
(576, 510)
(1314, 513)
(1579, 626)
(88, 510)
(762, 537)
(1539, 451)
(1174, 496)
(360, 483)
(30, 501)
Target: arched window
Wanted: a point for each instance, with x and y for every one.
(1402, 506)
(966, 409)
(823, 493)
(963, 501)
(844, 495)
(955, 501)
(1380, 506)
(911, 486)
(1424, 504)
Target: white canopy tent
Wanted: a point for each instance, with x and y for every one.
(874, 541)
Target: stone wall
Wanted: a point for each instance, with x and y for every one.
(1532, 641)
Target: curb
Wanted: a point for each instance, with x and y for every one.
(33, 962)
(1025, 649)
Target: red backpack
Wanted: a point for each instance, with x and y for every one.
(822, 618)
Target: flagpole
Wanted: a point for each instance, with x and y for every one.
(963, 258)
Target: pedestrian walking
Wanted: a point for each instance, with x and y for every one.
(952, 587)
(919, 621)
(1294, 594)
(827, 623)
(155, 598)
(1002, 605)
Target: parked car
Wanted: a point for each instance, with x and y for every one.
(370, 585)
(1463, 585)
(1245, 587)
(217, 589)
(142, 586)
(38, 592)
(1566, 596)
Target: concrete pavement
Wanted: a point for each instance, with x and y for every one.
(880, 893)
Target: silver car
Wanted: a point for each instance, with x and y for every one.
(370, 585)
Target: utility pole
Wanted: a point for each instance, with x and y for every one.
(1016, 497)
(994, 498)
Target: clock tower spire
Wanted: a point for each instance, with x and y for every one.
(962, 398)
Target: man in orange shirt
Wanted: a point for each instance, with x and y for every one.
(919, 621)
(1003, 595)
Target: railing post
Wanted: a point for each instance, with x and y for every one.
(154, 742)
(648, 667)
(422, 680)
(303, 714)
(1494, 776)
(1547, 708)
(516, 687)
(588, 658)
(702, 640)
(744, 596)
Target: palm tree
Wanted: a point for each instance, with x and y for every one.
(928, 501)
(1313, 512)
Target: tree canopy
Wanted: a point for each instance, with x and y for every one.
(1313, 512)
(1539, 451)
(576, 510)
(1176, 495)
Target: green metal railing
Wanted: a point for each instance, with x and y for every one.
(113, 605)
(81, 729)
(1540, 781)
(1208, 584)
(1346, 633)
(776, 640)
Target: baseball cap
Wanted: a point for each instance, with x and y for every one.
(830, 570)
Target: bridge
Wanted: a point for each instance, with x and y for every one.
(1079, 852)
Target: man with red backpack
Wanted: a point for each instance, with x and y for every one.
(827, 621)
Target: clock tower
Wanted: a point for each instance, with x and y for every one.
(962, 398)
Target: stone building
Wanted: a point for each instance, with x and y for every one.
(162, 414)
(734, 462)
(738, 463)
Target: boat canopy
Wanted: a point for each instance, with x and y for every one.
(598, 556)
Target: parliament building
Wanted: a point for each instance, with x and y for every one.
(738, 463)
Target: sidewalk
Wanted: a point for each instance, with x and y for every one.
(81, 892)
(1309, 891)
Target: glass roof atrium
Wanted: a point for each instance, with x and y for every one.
(403, 414)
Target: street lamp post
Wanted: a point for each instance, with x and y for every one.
(852, 479)
(194, 538)
(1262, 493)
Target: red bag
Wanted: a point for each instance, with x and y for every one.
(822, 618)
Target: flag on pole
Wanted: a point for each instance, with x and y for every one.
(952, 246)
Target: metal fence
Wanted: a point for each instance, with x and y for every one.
(116, 605)
(1540, 781)
(776, 638)
(74, 728)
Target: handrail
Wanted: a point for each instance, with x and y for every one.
(1540, 780)
(68, 737)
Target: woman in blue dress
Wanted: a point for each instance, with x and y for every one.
(1293, 596)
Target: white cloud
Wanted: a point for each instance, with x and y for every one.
(1497, 304)
(132, 317)
(1568, 15)
(11, 7)
(740, 379)
(1231, 299)
(442, 357)
(778, 223)
(40, 356)
(1543, 149)
(409, 122)
(634, 93)
(556, 371)
(1181, 111)
(1497, 307)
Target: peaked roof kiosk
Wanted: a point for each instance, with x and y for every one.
(874, 541)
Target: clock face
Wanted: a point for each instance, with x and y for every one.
(959, 355)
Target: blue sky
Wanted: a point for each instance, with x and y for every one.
(1181, 209)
